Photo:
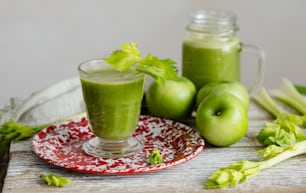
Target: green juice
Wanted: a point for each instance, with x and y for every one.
(211, 61)
(113, 101)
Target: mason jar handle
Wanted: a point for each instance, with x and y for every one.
(261, 66)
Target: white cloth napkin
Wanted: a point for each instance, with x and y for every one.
(47, 105)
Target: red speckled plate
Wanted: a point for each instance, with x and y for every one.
(61, 145)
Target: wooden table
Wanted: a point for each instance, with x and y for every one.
(289, 176)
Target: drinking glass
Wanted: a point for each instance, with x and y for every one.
(113, 102)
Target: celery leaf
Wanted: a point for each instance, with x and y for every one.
(125, 58)
(129, 56)
(159, 69)
(12, 130)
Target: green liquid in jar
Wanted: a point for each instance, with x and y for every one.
(210, 61)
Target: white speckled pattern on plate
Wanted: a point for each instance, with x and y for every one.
(61, 145)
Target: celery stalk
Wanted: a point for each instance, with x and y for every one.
(263, 98)
(241, 171)
(290, 95)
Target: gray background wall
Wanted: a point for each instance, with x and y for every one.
(43, 41)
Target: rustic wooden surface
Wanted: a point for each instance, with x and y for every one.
(289, 176)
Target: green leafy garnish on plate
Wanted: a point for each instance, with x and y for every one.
(155, 157)
(129, 56)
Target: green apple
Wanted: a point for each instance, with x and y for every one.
(172, 100)
(235, 88)
(222, 119)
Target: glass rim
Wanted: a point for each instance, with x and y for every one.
(103, 64)
(213, 21)
(80, 66)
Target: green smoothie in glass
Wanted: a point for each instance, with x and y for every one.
(113, 101)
